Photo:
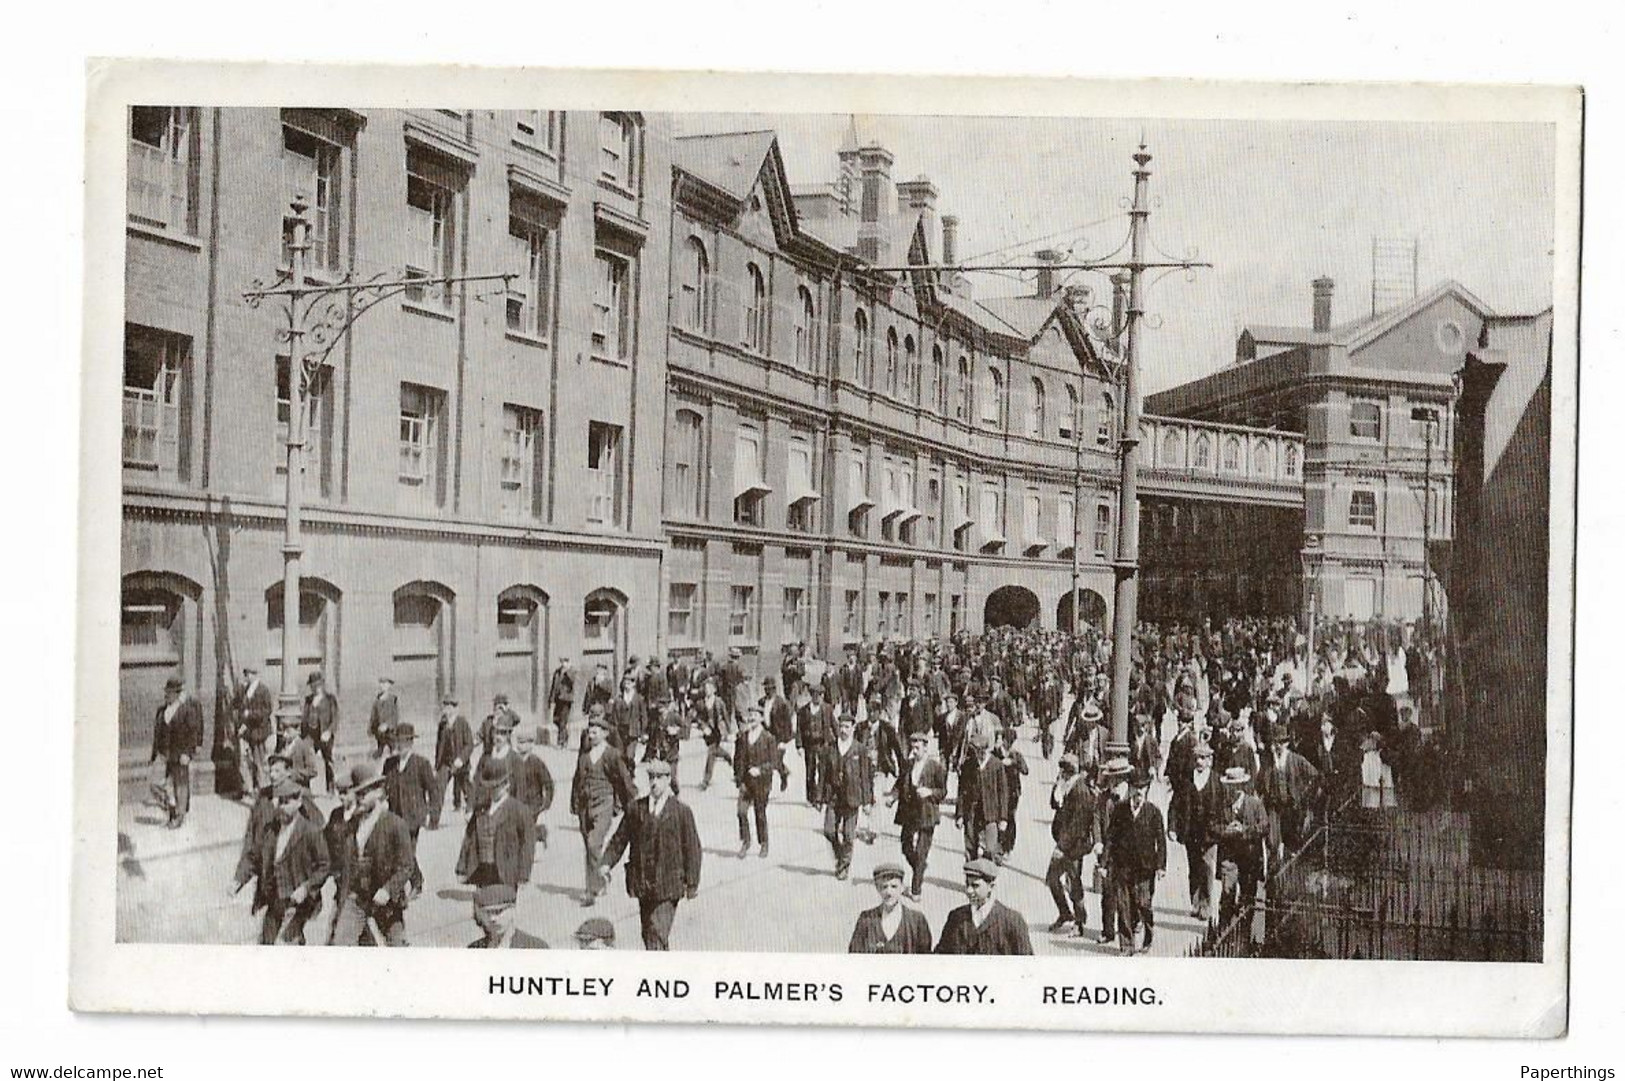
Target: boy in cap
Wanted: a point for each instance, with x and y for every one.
(377, 865)
(666, 735)
(410, 788)
(494, 913)
(984, 925)
(891, 926)
(1073, 830)
(1137, 857)
(453, 753)
(319, 722)
(385, 715)
(499, 842)
(176, 732)
(715, 719)
(532, 782)
(292, 868)
(756, 756)
(263, 817)
(601, 787)
(918, 796)
(596, 933)
(664, 865)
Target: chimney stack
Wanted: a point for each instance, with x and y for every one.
(1046, 274)
(874, 215)
(1323, 288)
(950, 240)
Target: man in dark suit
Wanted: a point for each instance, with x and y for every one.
(177, 730)
(293, 867)
(262, 818)
(984, 797)
(1073, 830)
(561, 699)
(984, 925)
(781, 725)
(629, 718)
(918, 795)
(1288, 785)
(666, 736)
(601, 787)
(378, 863)
(384, 716)
(891, 926)
(255, 707)
(319, 722)
(664, 866)
(499, 842)
(815, 728)
(1337, 757)
(453, 754)
(850, 682)
(756, 756)
(532, 781)
(1137, 854)
(409, 783)
(494, 912)
(1193, 812)
(847, 787)
(1243, 829)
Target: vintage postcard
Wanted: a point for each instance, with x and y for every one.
(1111, 540)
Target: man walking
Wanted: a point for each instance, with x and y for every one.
(499, 842)
(561, 699)
(255, 706)
(1243, 829)
(847, 787)
(781, 725)
(378, 863)
(716, 728)
(385, 715)
(176, 733)
(1193, 813)
(918, 795)
(453, 753)
(815, 728)
(664, 865)
(1073, 830)
(984, 925)
(755, 758)
(983, 798)
(319, 722)
(532, 781)
(1137, 854)
(602, 785)
(1287, 783)
(292, 868)
(409, 786)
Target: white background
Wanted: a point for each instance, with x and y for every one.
(43, 69)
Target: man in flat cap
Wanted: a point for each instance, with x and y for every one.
(601, 787)
(177, 731)
(756, 756)
(891, 926)
(453, 757)
(815, 729)
(263, 818)
(384, 715)
(666, 735)
(1193, 814)
(499, 842)
(494, 913)
(629, 718)
(847, 787)
(1137, 857)
(984, 799)
(255, 707)
(378, 863)
(1288, 783)
(664, 865)
(715, 718)
(918, 795)
(319, 722)
(596, 933)
(984, 925)
(291, 869)
(561, 699)
(1073, 831)
(340, 827)
(409, 785)
(532, 780)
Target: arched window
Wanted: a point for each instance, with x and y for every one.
(1035, 418)
(1103, 528)
(521, 645)
(862, 356)
(893, 375)
(159, 637)
(939, 380)
(696, 287)
(422, 652)
(962, 403)
(756, 309)
(316, 640)
(1106, 425)
(1232, 454)
(1263, 461)
(993, 399)
(686, 447)
(1291, 461)
(806, 328)
(911, 367)
(603, 628)
(1173, 452)
(1069, 419)
(1202, 454)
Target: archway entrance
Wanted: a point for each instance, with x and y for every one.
(1011, 606)
(1091, 607)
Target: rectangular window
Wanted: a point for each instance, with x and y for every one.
(857, 518)
(801, 495)
(794, 628)
(1363, 509)
(750, 487)
(311, 170)
(1032, 509)
(521, 481)
(680, 611)
(962, 516)
(1365, 419)
(618, 150)
(422, 430)
(900, 623)
(431, 203)
(851, 615)
(956, 613)
(686, 493)
(1103, 529)
(933, 510)
(928, 612)
(155, 365)
(538, 129)
(162, 187)
(992, 513)
(603, 473)
(612, 307)
(884, 623)
(529, 300)
(318, 423)
(1065, 523)
(742, 613)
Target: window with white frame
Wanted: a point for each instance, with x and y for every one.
(756, 310)
(742, 613)
(431, 214)
(1103, 528)
(1231, 462)
(911, 368)
(422, 428)
(801, 494)
(538, 129)
(1362, 509)
(680, 623)
(993, 399)
(521, 482)
(1202, 452)
(806, 329)
(992, 520)
(862, 356)
(939, 380)
(1032, 513)
(530, 296)
(750, 484)
(852, 613)
(1106, 422)
(694, 304)
(1036, 417)
(612, 307)
(894, 374)
(1069, 417)
(619, 139)
(962, 391)
(1365, 419)
(162, 188)
(686, 447)
(1066, 522)
(318, 394)
(900, 616)
(311, 169)
(155, 372)
(604, 474)
(795, 615)
(1292, 461)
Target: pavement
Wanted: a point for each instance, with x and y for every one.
(176, 886)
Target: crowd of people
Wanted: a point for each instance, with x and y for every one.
(1256, 735)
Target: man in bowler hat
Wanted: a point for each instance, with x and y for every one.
(499, 842)
(984, 925)
(378, 863)
(410, 787)
(1137, 856)
(176, 732)
(664, 865)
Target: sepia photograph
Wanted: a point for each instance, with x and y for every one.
(1120, 534)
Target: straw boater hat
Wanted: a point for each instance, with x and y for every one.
(1236, 775)
(1091, 711)
(1116, 767)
